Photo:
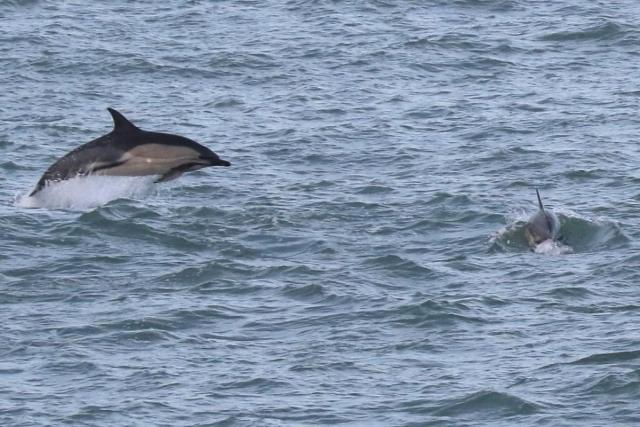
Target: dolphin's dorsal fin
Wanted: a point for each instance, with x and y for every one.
(120, 122)
(549, 224)
(539, 200)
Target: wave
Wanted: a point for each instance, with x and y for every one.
(607, 358)
(616, 384)
(489, 402)
(304, 292)
(18, 3)
(399, 266)
(425, 315)
(431, 314)
(604, 31)
(579, 234)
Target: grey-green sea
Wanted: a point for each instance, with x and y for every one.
(363, 262)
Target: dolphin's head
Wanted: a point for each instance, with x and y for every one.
(544, 225)
(204, 153)
(188, 149)
(210, 156)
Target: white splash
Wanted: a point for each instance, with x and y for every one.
(552, 247)
(86, 192)
(515, 220)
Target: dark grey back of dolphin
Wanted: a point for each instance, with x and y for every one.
(542, 226)
(130, 151)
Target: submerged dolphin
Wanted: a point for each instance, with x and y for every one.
(544, 225)
(130, 151)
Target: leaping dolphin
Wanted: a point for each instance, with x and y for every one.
(130, 151)
(544, 225)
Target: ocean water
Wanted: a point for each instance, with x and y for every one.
(363, 260)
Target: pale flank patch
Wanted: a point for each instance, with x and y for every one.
(147, 159)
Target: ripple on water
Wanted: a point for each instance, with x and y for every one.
(570, 293)
(608, 358)
(617, 384)
(488, 402)
(399, 266)
(608, 30)
(433, 314)
(310, 292)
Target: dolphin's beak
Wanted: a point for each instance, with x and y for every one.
(215, 161)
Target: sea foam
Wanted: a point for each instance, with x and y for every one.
(86, 192)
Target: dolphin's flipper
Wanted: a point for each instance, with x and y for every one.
(177, 171)
(169, 176)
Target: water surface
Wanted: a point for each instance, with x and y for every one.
(362, 262)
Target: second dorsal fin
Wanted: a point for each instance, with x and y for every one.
(120, 122)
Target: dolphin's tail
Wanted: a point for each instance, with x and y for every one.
(539, 200)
